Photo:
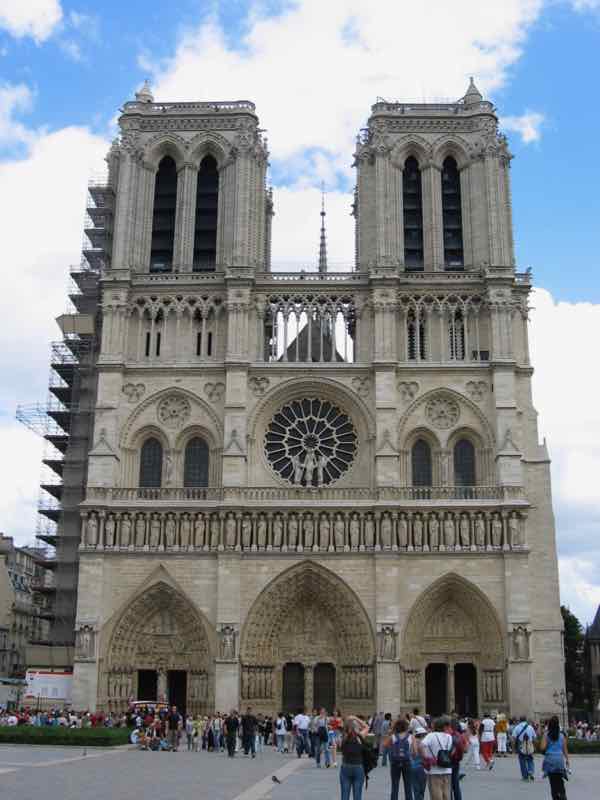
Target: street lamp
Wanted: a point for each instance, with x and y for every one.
(561, 700)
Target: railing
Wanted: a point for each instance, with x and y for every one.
(220, 105)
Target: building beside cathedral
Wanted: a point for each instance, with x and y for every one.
(310, 488)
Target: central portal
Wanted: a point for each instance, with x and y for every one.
(293, 688)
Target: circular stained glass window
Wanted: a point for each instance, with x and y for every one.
(310, 442)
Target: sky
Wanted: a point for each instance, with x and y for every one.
(313, 68)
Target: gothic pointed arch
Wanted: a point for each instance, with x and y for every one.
(209, 143)
(165, 144)
(411, 145)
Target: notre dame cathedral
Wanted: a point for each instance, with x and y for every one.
(313, 488)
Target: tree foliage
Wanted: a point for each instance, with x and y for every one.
(574, 643)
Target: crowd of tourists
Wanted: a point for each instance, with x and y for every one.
(64, 718)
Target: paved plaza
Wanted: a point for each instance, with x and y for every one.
(28, 773)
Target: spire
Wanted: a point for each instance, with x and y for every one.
(473, 95)
(145, 94)
(323, 241)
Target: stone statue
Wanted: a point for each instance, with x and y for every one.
(109, 531)
(418, 532)
(521, 643)
(277, 532)
(230, 532)
(246, 532)
(310, 464)
(297, 469)
(185, 531)
(339, 532)
(387, 642)
(445, 467)
(434, 532)
(292, 532)
(245, 683)
(322, 462)
(324, 529)
(309, 532)
(228, 642)
(169, 466)
(515, 530)
(403, 532)
(140, 530)
(465, 533)
(369, 532)
(199, 530)
(479, 531)
(91, 531)
(85, 642)
(386, 531)
(354, 532)
(496, 531)
(261, 532)
(170, 531)
(155, 531)
(214, 532)
(125, 531)
(449, 531)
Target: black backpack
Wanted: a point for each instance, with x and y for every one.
(370, 758)
(444, 758)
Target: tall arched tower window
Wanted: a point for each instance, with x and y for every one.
(412, 199)
(421, 464)
(195, 470)
(207, 205)
(464, 463)
(151, 459)
(163, 217)
(452, 215)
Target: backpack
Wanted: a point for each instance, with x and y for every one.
(443, 759)
(370, 759)
(400, 752)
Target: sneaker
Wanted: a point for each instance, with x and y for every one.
(531, 778)
(491, 766)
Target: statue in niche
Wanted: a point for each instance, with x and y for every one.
(109, 531)
(434, 532)
(354, 532)
(369, 532)
(140, 530)
(520, 643)
(251, 685)
(412, 685)
(85, 642)
(418, 532)
(322, 462)
(293, 532)
(277, 532)
(309, 532)
(324, 531)
(465, 533)
(297, 469)
(261, 532)
(125, 531)
(169, 466)
(246, 532)
(479, 531)
(245, 683)
(515, 530)
(230, 532)
(445, 467)
(386, 531)
(268, 683)
(214, 532)
(155, 531)
(364, 688)
(496, 531)
(339, 532)
(449, 531)
(228, 642)
(185, 531)
(199, 530)
(91, 531)
(387, 642)
(402, 532)
(170, 531)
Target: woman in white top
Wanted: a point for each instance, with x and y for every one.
(487, 738)
(473, 737)
(280, 731)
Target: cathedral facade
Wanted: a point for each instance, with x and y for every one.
(314, 488)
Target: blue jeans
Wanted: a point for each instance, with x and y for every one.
(406, 772)
(526, 764)
(319, 748)
(456, 791)
(384, 756)
(352, 777)
(302, 743)
(249, 742)
(419, 783)
(280, 742)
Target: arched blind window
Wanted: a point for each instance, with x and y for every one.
(151, 463)
(207, 205)
(464, 463)
(452, 215)
(413, 215)
(421, 463)
(163, 217)
(195, 471)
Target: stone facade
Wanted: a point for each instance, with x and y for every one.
(370, 523)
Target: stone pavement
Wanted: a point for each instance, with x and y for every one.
(29, 773)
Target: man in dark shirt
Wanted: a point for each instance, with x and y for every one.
(231, 725)
(249, 725)
(174, 721)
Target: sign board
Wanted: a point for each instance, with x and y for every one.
(48, 685)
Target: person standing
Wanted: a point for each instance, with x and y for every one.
(419, 777)
(416, 721)
(524, 737)
(399, 746)
(457, 753)
(487, 738)
(280, 731)
(501, 735)
(473, 740)
(174, 728)
(335, 736)
(435, 751)
(352, 773)
(301, 723)
(249, 727)
(386, 729)
(189, 732)
(556, 758)
(230, 727)
(322, 738)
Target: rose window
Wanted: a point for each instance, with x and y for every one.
(310, 442)
(174, 410)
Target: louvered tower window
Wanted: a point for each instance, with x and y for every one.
(163, 217)
(207, 205)
(195, 471)
(421, 463)
(151, 464)
(452, 215)
(413, 215)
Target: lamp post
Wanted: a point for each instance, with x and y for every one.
(561, 700)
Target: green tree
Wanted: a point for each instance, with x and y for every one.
(574, 658)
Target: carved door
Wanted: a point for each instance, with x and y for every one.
(293, 688)
(324, 687)
(436, 689)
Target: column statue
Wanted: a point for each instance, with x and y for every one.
(199, 531)
(125, 531)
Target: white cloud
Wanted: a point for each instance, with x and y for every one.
(586, 5)
(578, 591)
(528, 125)
(35, 18)
(14, 98)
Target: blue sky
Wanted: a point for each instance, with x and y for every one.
(314, 68)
